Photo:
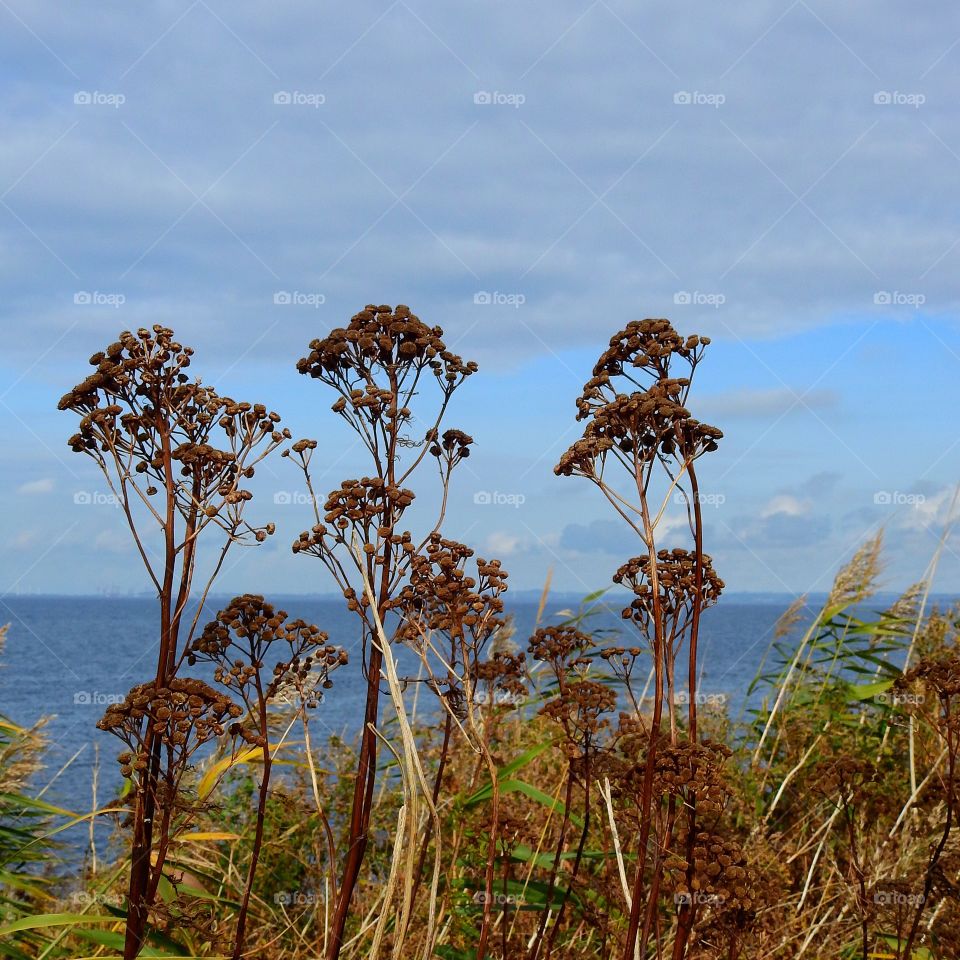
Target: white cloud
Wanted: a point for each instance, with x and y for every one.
(922, 512)
(586, 215)
(44, 485)
(502, 544)
(785, 503)
(746, 402)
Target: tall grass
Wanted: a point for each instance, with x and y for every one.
(565, 794)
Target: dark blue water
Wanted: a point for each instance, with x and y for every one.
(67, 658)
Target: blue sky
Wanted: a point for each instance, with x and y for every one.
(779, 176)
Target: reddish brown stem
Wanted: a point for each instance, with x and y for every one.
(261, 816)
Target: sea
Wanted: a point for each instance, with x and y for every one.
(67, 658)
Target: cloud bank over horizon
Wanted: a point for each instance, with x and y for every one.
(781, 177)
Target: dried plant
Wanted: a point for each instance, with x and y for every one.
(560, 797)
(241, 642)
(939, 677)
(377, 364)
(578, 710)
(176, 455)
(448, 618)
(644, 431)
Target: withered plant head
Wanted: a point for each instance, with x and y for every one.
(448, 614)
(676, 586)
(580, 702)
(376, 363)
(939, 674)
(843, 779)
(503, 675)
(648, 346)
(450, 449)
(623, 662)
(562, 647)
(931, 689)
(365, 509)
(384, 337)
(441, 597)
(725, 888)
(695, 771)
(183, 716)
(145, 420)
(645, 417)
(580, 710)
(244, 636)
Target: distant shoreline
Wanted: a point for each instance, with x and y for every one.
(749, 596)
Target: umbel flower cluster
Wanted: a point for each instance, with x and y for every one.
(142, 416)
(183, 715)
(440, 597)
(386, 337)
(651, 420)
(241, 641)
(381, 366)
(178, 456)
(676, 580)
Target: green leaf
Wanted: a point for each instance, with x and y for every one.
(865, 691)
(590, 597)
(43, 921)
(520, 786)
(115, 941)
(486, 792)
(524, 854)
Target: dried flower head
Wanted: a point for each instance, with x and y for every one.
(561, 645)
(384, 337)
(676, 586)
(144, 419)
(183, 716)
(579, 711)
(244, 636)
(440, 596)
(503, 675)
(649, 421)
